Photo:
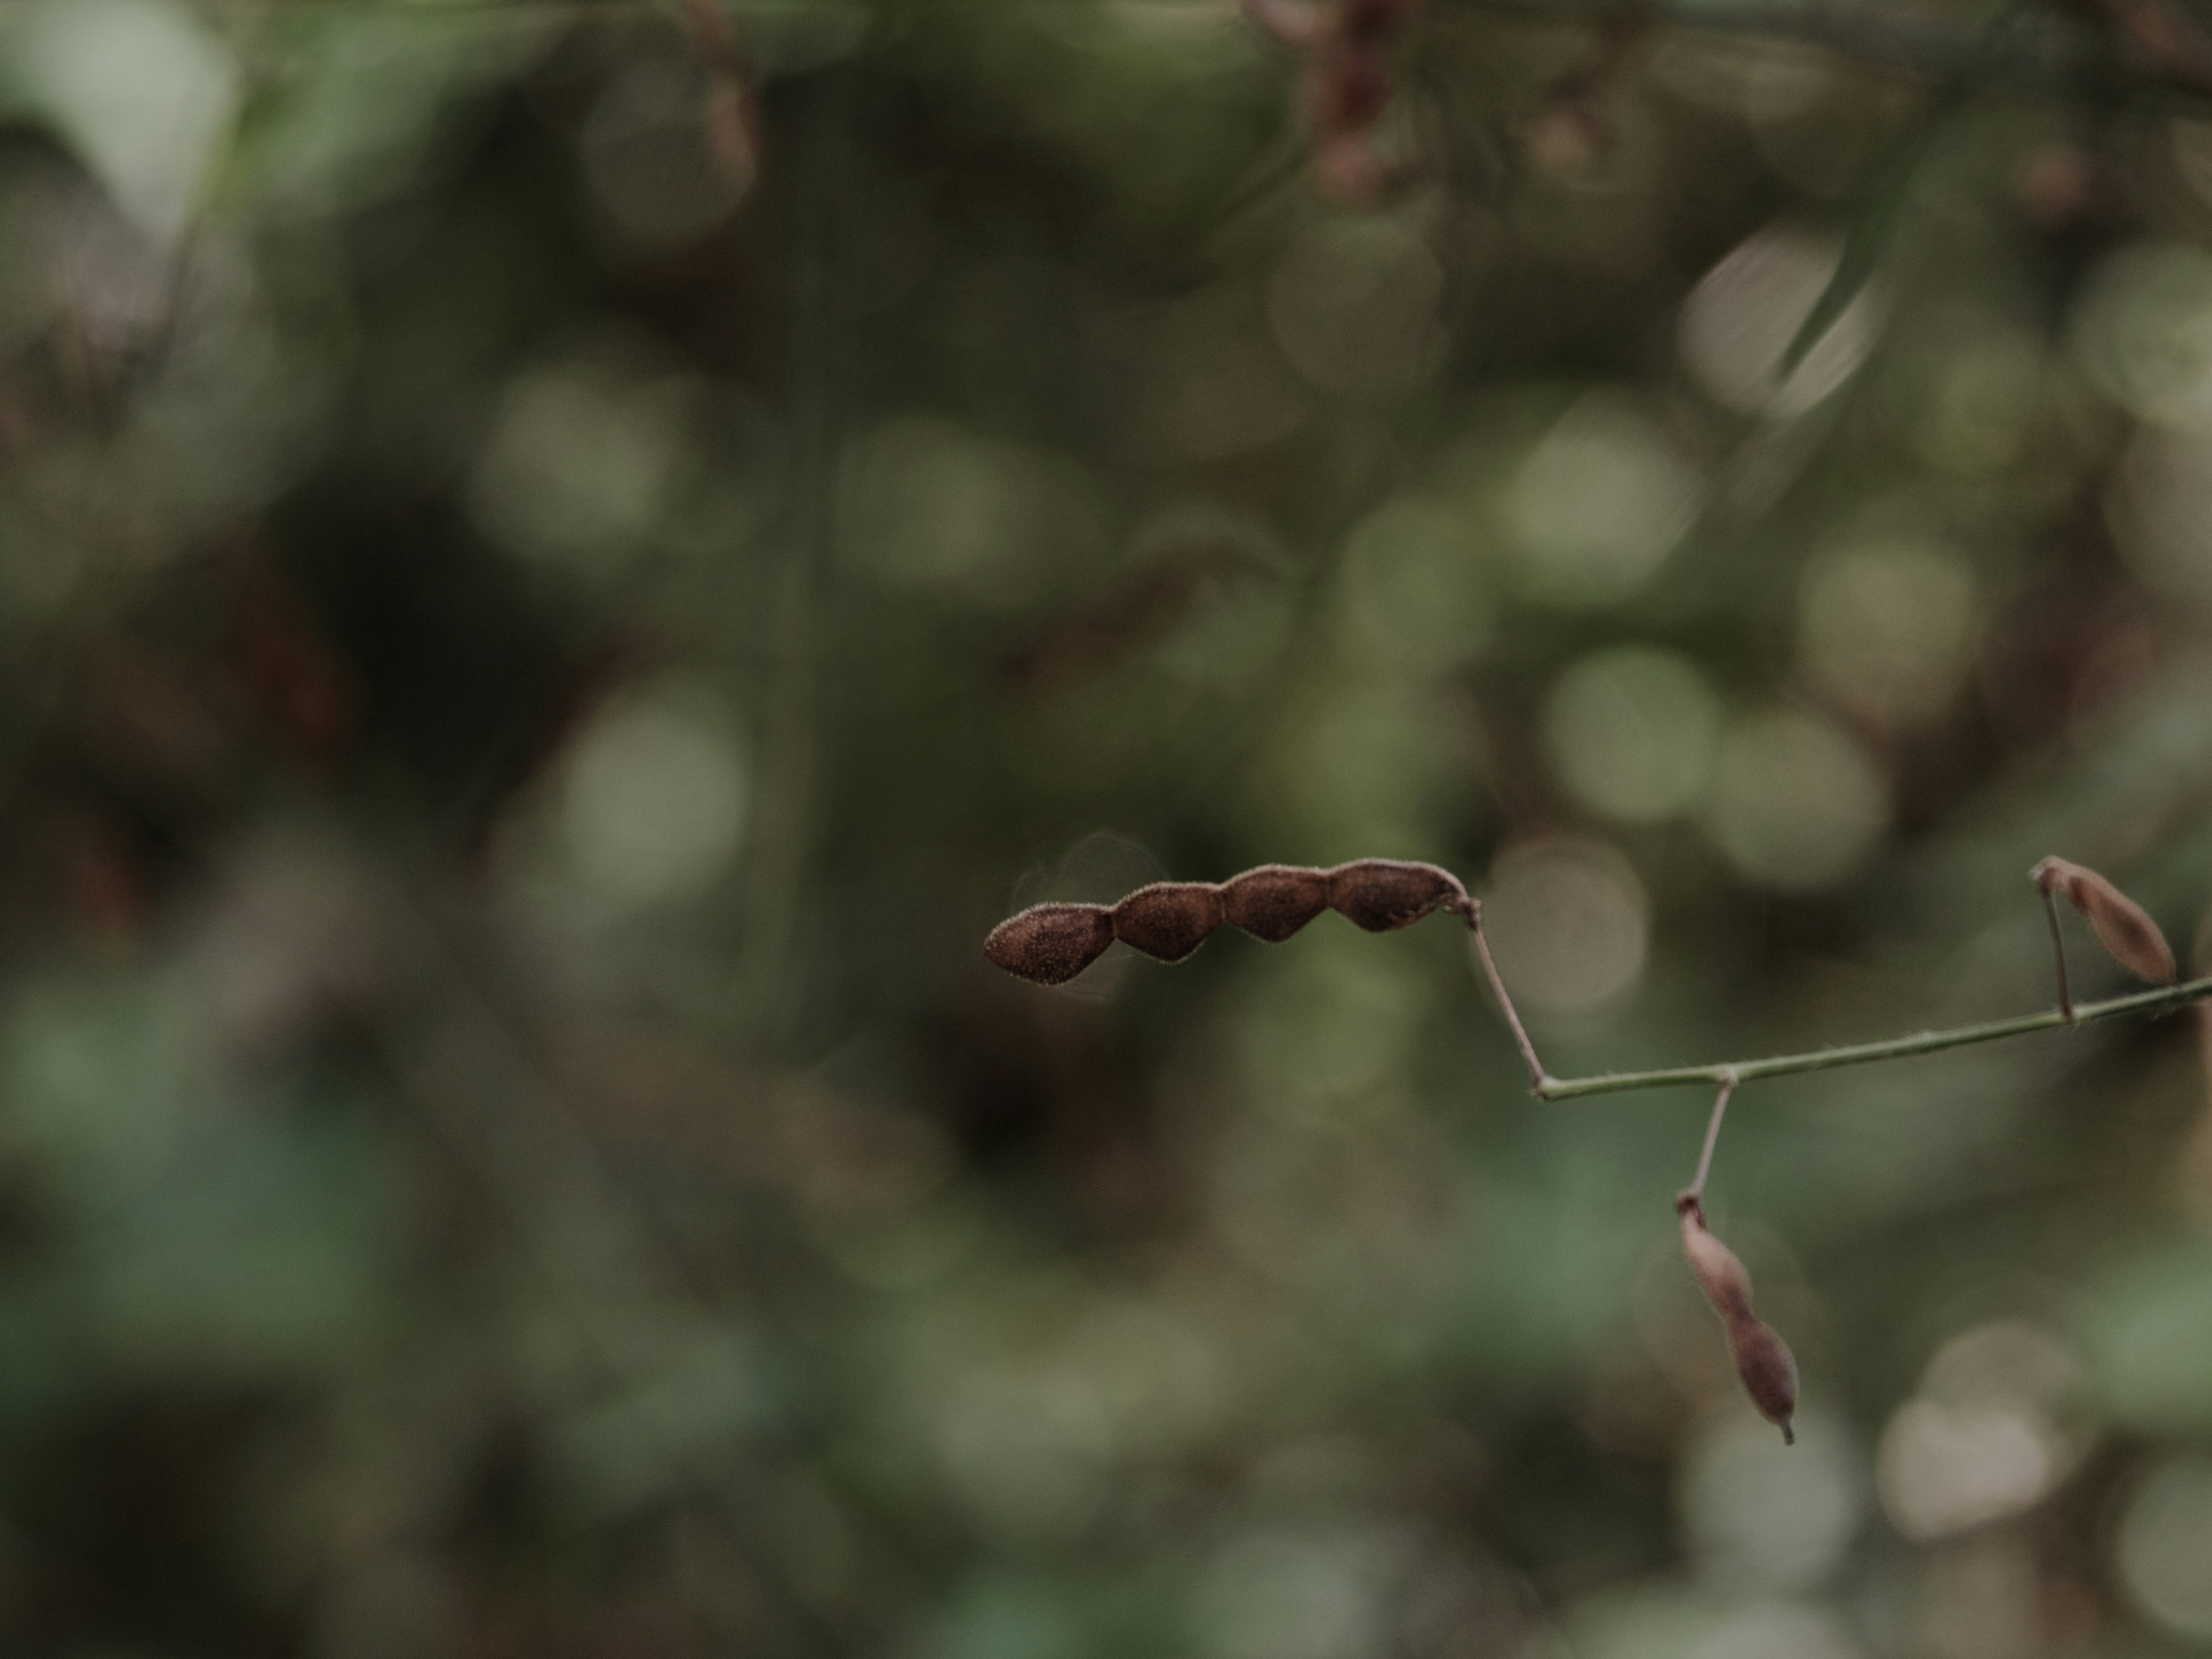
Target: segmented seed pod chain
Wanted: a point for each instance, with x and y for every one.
(1052, 944)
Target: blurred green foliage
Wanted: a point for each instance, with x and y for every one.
(561, 564)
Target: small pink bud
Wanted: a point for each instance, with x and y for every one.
(2122, 925)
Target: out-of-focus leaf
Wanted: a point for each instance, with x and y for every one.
(1873, 228)
(2148, 1328)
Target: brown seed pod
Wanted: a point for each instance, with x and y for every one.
(1380, 895)
(1051, 943)
(1274, 901)
(1169, 919)
(2122, 925)
(1763, 1360)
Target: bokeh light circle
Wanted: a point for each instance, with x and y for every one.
(1796, 803)
(2164, 1545)
(654, 801)
(1632, 731)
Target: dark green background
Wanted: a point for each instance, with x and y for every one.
(530, 660)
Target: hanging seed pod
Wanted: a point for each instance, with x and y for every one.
(1763, 1360)
(1051, 943)
(1169, 919)
(1380, 895)
(2122, 925)
(1274, 901)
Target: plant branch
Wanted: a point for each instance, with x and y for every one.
(2044, 59)
(2157, 1001)
(2067, 64)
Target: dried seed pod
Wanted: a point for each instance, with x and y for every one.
(1763, 1360)
(2122, 925)
(1380, 895)
(1274, 901)
(1051, 943)
(1169, 919)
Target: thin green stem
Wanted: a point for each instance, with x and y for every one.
(1539, 1079)
(2058, 952)
(2155, 1001)
(1696, 1190)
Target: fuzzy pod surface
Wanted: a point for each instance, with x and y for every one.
(1383, 895)
(1169, 919)
(2121, 926)
(1274, 901)
(1051, 943)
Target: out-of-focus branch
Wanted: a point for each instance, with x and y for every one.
(2038, 55)
(733, 122)
(2164, 35)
